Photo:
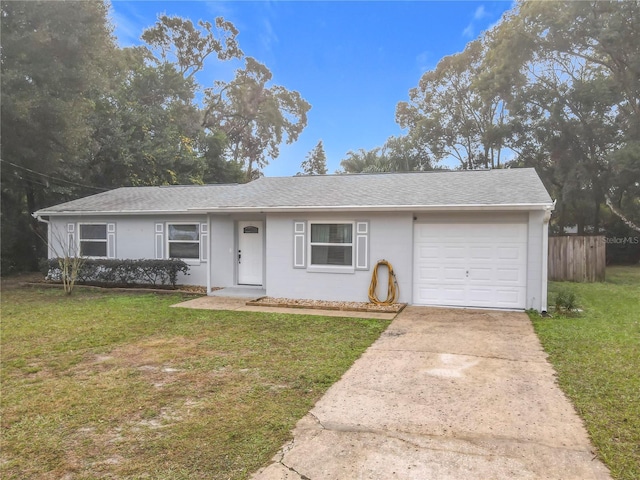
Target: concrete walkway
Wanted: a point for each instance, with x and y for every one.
(240, 304)
(443, 394)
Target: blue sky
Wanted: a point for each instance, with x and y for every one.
(352, 61)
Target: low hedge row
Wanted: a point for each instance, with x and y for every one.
(122, 272)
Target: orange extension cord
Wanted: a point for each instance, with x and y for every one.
(392, 289)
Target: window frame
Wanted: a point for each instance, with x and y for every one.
(168, 242)
(315, 267)
(93, 240)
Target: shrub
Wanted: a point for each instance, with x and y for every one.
(566, 301)
(123, 272)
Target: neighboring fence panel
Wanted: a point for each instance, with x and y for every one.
(577, 259)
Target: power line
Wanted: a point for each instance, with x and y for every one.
(18, 175)
(54, 178)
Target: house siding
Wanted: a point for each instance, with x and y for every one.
(223, 256)
(135, 238)
(390, 238)
(537, 258)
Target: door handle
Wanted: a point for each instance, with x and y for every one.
(239, 256)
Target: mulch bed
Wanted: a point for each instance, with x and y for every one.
(327, 305)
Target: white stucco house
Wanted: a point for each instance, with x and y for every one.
(464, 238)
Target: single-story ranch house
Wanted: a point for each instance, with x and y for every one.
(464, 238)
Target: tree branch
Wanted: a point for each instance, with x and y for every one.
(620, 215)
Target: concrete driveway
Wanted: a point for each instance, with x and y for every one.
(443, 394)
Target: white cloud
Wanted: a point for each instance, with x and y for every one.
(128, 23)
(268, 36)
(220, 9)
(126, 29)
(480, 13)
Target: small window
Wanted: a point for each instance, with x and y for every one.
(332, 244)
(93, 240)
(184, 240)
(250, 229)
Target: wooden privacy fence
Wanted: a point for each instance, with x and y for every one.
(577, 259)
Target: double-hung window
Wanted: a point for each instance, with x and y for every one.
(184, 240)
(93, 239)
(331, 244)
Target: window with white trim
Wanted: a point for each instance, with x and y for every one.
(331, 244)
(183, 240)
(93, 239)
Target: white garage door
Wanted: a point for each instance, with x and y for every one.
(470, 265)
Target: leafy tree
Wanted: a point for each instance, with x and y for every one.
(54, 59)
(407, 153)
(147, 128)
(179, 42)
(255, 118)
(80, 115)
(571, 69)
(316, 161)
(398, 154)
(454, 115)
(217, 168)
(363, 161)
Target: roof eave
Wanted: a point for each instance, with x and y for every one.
(379, 208)
(324, 208)
(70, 213)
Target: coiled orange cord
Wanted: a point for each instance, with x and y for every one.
(392, 289)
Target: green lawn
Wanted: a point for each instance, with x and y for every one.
(597, 357)
(122, 386)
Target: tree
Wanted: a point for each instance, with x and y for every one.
(455, 115)
(363, 161)
(407, 153)
(217, 168)
(54, 59)
(398, 154)
(255, 118)
(316, 161)
(178, 41)
(147, 128)
(572, 70)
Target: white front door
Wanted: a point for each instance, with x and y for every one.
(249, 255)
(470, 265)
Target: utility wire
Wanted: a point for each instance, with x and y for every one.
(36, 182)
(54, 178)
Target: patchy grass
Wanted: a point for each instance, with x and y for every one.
(103, 385)
(597, 357)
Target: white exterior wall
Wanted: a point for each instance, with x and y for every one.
(135, 238)
(223, 257)
(537, 261)
(390, 238)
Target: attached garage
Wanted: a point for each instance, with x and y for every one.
(482, 264)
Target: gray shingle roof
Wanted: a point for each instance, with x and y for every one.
(501, 188)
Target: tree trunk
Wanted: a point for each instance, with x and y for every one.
(35, 227)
